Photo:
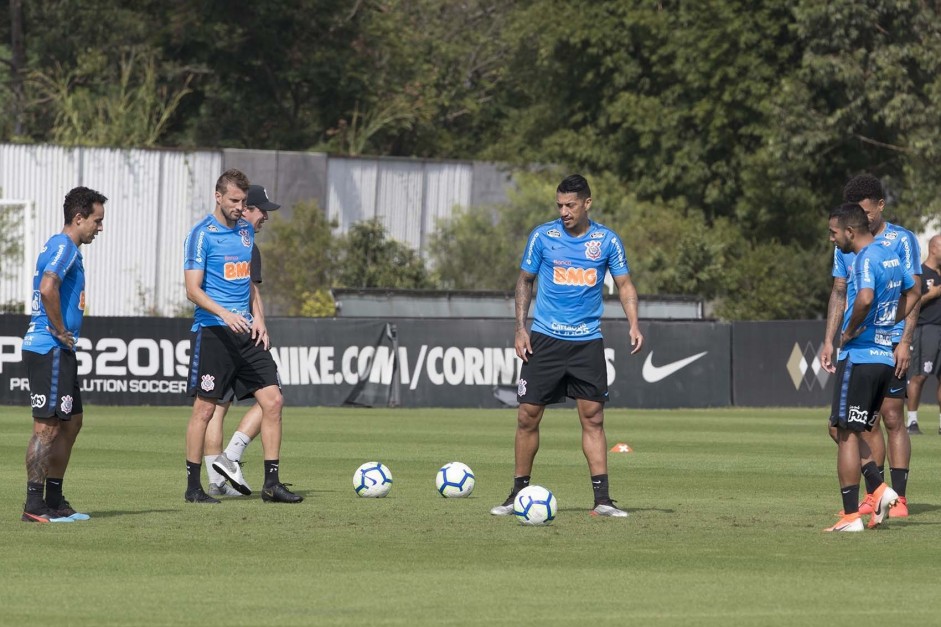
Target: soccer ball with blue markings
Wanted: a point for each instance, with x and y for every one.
(535, 505)
(372, 480)
(455, 480)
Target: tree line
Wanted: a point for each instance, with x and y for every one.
(716, 134)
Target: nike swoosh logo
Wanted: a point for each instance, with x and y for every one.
(652, 373)
(895, 390)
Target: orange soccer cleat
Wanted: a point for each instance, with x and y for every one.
(849, 522)
(900, 509)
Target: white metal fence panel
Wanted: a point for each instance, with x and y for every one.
(399, 200)
(351, 191)
(447, 185)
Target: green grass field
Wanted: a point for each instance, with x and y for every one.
(727, 508)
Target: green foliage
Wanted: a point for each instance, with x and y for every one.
(106, 101)
(297, 260)
(369, 259)
(715, 132)
(318, 304)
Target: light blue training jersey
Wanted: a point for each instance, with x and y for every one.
(898, 239)
(876, 267)
(62, 257)
(571, 274)
(224, 255)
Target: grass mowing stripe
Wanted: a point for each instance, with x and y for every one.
(727, 508)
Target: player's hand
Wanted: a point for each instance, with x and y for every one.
(260, 333)
(236, 322)
(523, 348)
(826, 357)
(637, 341)
(903, 358)
(65, 337)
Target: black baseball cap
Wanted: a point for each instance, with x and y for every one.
(258, 197)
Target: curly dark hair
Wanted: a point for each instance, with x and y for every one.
(862, 187)
(81, 201)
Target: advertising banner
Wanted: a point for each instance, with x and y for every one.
(402, 362)
(777, 364)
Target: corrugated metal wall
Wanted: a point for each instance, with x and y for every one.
(155, 196)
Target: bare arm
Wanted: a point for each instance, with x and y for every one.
(627, 294)
(835, 310)
(259, 328)
(861, 307)
(51, 301)
(193, 279)
(524, 297)
(911, 299)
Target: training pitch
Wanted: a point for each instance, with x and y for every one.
(727, 508)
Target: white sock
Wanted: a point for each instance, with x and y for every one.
(912, 417)
(237, 446)
(214, 477)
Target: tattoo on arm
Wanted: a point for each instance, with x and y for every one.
(524, 296)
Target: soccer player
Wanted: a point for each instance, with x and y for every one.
(49, 353)
(867, 191)
(926, 349)
(257, 206)
(224, 352)
(882, 294)
(565, 354)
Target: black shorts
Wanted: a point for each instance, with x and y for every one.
(221, 359)
(560, 368)
(926, 351)
(53, 384)
(858, 392)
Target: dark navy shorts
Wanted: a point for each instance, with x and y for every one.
(53, 383)
(222, 360)
(563, 368)
(858, 392)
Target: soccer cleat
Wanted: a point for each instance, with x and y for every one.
(65, 510)
(914, 430)
(900, 509)
(607, 508)
(222, 489)
(865, 506)
(504, 510)
(42, 514)
(884, 499)
(850, 522)
(231, 470)
(278, 493)
(196, 495)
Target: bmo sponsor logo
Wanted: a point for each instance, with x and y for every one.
(578, 277)
(236, 270)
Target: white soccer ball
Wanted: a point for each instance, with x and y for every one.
(455, 480)
(535, 505)
(372, 480)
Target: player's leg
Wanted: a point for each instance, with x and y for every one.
(846, 420)
(46, 384)
(212, 449)
(203, 409)
(915, 385)
(916, 378)
(248, 430)
(541, 382)
(62, 453)
(271, 402)
(899, 443)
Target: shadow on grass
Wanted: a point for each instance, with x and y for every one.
(629, 510)
(143, 512)
(921, 508)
